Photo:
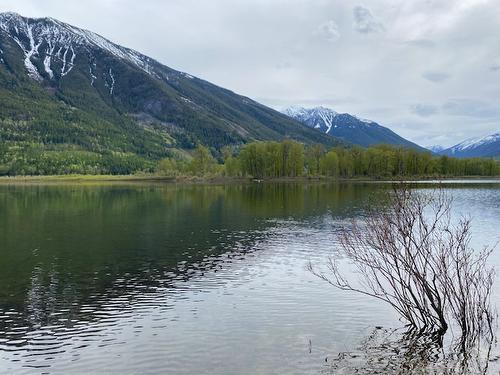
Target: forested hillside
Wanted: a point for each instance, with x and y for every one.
(74, 102)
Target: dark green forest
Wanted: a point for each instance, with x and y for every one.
(41, 134)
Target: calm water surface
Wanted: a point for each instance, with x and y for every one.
(187, 279)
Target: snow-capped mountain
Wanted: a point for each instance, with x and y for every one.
(319, 118)
(488, 146)
(74, 68)
(347, 127)
(437, 149)
(51, 47)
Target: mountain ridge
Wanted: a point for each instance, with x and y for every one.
(349, 128)
(64, 33)
(68, 88)
(487, 146)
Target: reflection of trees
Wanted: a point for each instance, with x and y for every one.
(41, 298)
(68, 247)
(397, 352)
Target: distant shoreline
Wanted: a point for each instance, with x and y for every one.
(126, 179)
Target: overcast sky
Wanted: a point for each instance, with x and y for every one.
(429, 70)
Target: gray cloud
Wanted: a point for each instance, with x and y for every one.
(424, 110)
(328, 31)
(472, 108)
(436, 77)
(364, 22)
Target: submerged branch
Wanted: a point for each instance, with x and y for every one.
(414, 258)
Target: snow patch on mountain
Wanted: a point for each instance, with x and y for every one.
(352, 129)
(295, 111)
(30, 34)
(324, 117)
(364, 120)
(473, 143)
(436, 148)
(48, 59)
(112, 88)
(68, 65)
(320, 118)
(93, 77)
(29, 50)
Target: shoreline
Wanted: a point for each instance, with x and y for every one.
(138, 179)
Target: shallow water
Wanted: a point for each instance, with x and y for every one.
(187, 279)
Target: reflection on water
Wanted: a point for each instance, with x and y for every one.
(394, 352)
(193, 279)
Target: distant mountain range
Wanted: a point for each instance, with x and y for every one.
(347, 127)
(436, 149)
(63, 87)
(488, 146)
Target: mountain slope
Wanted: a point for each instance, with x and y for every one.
(347, 127)
(66, 88)
(488, 146)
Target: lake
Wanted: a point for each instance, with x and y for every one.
(148, 279)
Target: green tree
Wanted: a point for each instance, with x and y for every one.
(203, 162)
(329, 164)
(167, 167)
(313, 155)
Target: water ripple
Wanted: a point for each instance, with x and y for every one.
(221, 302)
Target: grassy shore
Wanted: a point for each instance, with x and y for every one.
(127, 179)
(117, 179)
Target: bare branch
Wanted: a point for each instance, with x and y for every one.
(411, 256)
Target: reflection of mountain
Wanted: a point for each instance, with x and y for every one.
(90, 253)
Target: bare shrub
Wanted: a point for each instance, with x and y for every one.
(412, 256)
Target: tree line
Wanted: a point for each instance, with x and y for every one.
(286, 159)
(289, 159)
